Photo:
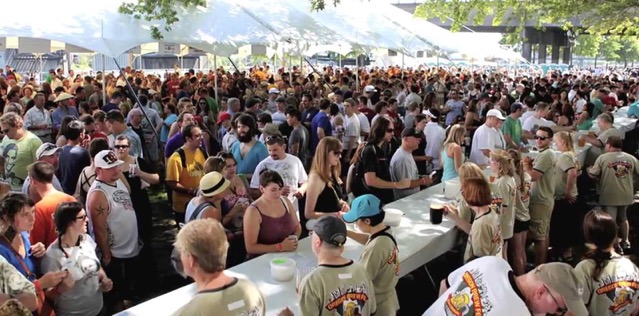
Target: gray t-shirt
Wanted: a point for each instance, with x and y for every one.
(300, 135)
(403, 166)
(85, 297)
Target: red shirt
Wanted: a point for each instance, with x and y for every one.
(43, 227)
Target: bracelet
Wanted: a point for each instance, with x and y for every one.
(279, 247)
(394, 185)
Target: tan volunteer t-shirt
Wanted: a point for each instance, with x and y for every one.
(522, 198)
(337, 290)
(381, 259)
(507, 188)
(241, 297)
(543, 190)
(617, 290)
(566, 162)
(484, 238)
(603, 136)
(615, 171)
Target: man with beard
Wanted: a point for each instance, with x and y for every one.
(248, 152)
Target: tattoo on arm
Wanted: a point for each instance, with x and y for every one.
(102, 210)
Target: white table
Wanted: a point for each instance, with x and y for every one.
(621, 121)
(419, 242)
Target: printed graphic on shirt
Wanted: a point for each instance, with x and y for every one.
(620, 290)
(349, 301)
(470, 298)
(123, 197)
(394, 260)
(621, 168)
(197, 171)
(525, 196)
(495, 203)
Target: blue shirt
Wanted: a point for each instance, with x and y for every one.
(164, 134)
(633, 110)
(248, 164)
(320, 120)
(455, 110)
(58, 114)
(28, 261)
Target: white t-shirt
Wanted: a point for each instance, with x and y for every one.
(580, 105)
(484, 286)
(526, 115)
(531, 122)
(290, 168)
(352, 127)
(485, 138)
(435, 137)
(364, 124)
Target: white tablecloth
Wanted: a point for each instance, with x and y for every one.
(419, 242)
(621, 121)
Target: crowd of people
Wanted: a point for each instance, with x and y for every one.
(272, 157)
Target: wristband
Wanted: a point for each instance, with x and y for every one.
(279, 247)
(394, 185)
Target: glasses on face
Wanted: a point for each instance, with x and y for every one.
(337, 153)
(6, 131)
(121, 146)
(537, 137)
(83, 217)
(197, 136)
(560, 310)
(390, 130)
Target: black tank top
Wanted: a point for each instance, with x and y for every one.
(328, 199)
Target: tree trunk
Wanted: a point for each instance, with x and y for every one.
(595, 61)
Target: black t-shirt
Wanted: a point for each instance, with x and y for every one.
(374, 159)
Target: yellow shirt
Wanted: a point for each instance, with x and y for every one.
(189, 177)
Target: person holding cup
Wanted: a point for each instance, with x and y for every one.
(381, 255)
(271, 219)
(80, 293)
(502, 166)
(484, 234)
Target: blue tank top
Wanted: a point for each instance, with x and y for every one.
(449, 166)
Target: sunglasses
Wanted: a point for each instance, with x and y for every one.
(337, 153)
(83, 217)
(121, 146)
(274, 138)
(6, 131)
(541, 137)
(560, 310)
(390, 130)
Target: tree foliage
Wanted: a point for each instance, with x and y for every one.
(602, 17)
(588, 45)
(164, 11)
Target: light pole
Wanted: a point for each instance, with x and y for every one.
(572, 37)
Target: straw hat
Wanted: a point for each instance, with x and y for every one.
(213, 183)
(63, 96)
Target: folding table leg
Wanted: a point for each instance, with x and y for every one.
(430, 277)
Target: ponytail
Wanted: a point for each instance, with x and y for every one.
(600, 258)
(519, 168)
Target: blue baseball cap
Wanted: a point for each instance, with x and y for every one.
(366, 205)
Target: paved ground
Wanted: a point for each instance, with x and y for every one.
(415, 292)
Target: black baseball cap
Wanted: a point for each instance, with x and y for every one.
(411, 132)
(330, 229)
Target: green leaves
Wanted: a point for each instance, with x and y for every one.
(162, 11)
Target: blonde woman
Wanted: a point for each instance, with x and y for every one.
(502, 167)
(468, 170)
(452, 155)
(517, 244)
(324, 186)
(564, 223)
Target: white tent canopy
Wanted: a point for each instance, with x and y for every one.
(224, 25)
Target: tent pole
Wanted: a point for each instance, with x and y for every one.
(357, 72)
(41, 66)
(215, 79)
(137, 100)
(402, 66)
(104, 91)
(340, 60)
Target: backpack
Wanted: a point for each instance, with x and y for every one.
(182, 154)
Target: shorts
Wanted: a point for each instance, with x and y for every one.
(540, 215)
(520, 226)
(617, 212)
